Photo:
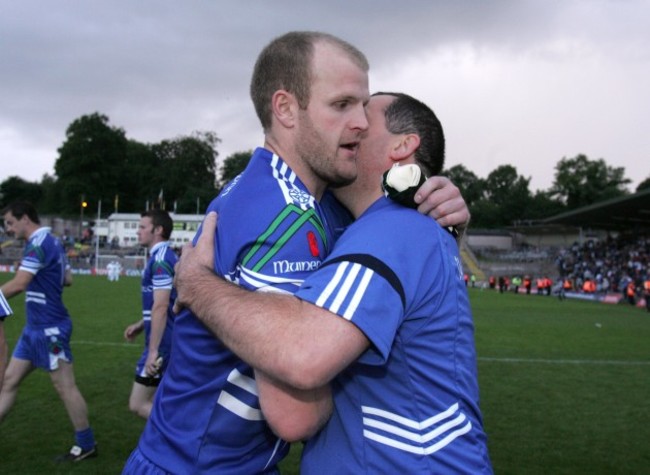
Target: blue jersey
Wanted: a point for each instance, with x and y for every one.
(45, 258)
(159, 275)
(409, 404)
(5, 309)
(206, 415)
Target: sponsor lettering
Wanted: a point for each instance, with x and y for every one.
(285, 267)
(231, 185)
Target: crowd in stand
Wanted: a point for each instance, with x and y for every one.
(618, 265)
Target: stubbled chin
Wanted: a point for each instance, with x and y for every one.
(345, 175)
(341, 181)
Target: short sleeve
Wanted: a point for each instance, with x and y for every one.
(5, 309)
(362, 291)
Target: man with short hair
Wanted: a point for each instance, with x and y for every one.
(309, 90)
(45, 340)
(385, 319)
(154, 230)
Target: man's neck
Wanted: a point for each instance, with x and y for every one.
(32, 228)
(154, 244)
(355, 200)
(314, 185)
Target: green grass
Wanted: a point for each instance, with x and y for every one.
(564, 385)
(38, 429)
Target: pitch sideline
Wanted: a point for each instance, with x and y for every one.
(480, 359)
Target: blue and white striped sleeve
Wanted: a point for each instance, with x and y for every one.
(363, 290)
(5, 309)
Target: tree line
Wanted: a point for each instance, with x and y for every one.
(504, 197)
(98, 162)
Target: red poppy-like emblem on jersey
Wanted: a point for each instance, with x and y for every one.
(313, 244)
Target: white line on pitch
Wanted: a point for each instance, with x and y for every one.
(483, 358)
(577, 362)
(107, 343)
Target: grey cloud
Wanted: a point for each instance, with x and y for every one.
(163, 68)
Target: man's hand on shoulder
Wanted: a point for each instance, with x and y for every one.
(439, 198)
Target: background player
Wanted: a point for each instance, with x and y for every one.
(45, 340)
(154, 231)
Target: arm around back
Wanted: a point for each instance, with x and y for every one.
(293, 341)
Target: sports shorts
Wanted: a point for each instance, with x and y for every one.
(141, 375)
(45, 346)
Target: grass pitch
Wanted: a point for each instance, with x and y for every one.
(564, 385)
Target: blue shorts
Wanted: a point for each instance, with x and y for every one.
(138, 464)
(141, 375)
(45, 346)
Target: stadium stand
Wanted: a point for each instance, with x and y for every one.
(607, 243)
(629, 213)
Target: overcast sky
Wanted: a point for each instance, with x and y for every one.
(519, 82)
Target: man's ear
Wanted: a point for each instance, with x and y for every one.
(284, 107)
(405, 147)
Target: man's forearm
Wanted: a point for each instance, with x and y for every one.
(234, 315)
(290, 340)
(16, 285)
(10, 289)
(67, 277)
(293, 341)
(293, 414)
(158, 318)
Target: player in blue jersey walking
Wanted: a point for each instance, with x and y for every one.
(309, 90)
(45, 340)
(386, 319)
(154, 230)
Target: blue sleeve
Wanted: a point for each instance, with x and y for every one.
(363, 294)
(33, 258)
(162, 272)
(5, 309)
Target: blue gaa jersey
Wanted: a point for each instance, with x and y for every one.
(45, 258)
(159, 275)
(410, 403)
(206, 416)
(5, 309)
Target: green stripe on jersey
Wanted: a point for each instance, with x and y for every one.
(290, 212)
